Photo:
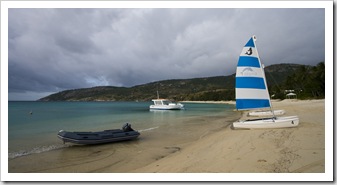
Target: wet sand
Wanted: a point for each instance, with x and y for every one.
(210, 147)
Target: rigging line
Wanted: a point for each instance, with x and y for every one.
(275, 82)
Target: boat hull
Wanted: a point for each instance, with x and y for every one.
(167, 107)
(264, 123)
(266, 113)
(106, 136)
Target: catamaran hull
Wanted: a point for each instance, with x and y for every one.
(266, 113)
(265, 123)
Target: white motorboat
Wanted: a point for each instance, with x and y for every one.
(165, 104)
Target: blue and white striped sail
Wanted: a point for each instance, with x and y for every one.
(250, 84)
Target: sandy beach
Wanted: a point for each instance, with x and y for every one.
(219, 149)
(299, 150)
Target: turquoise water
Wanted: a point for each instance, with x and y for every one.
(37, 132)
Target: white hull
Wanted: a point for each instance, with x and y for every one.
(278, 122)
(164, 104)
(167, 107)
(266, 113)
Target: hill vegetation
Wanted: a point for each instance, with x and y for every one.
(306, 81)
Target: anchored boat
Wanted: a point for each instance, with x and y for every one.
(165, 104)
(106, 136)
(251, 91)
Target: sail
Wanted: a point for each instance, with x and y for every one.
(250, 85)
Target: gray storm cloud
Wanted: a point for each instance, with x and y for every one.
(57, 49)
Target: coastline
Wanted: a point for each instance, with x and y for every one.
(232, 102)
(170, 135)
(211, 147)
(216, 102)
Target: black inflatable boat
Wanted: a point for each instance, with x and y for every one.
(106, 136)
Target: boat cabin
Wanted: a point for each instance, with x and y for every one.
(161, 102)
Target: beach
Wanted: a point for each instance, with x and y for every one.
(294, 150)
(211, 147)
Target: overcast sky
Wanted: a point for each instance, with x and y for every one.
(50, 50)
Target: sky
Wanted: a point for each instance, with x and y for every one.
(53, 49)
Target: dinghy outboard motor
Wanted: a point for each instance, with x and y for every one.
(127, 127)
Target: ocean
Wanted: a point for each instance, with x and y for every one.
(33, 125)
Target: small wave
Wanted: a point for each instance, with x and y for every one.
(36, 150)
(148, 129)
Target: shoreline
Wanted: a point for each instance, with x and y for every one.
(215, 102)
(232, 102)
(123, 157)
(207, 148)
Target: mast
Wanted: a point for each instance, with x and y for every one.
(264, 76)
(157, 90)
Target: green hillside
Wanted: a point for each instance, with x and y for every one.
(202, 89)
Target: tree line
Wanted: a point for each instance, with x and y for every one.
(307, 82)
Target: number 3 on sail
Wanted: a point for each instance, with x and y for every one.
(251, 91)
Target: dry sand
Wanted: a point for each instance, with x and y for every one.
(217, 150)
(300, 149)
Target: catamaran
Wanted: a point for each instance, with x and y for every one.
(251, 91)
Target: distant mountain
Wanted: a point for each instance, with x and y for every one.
(208, 88)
